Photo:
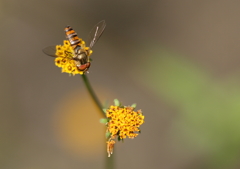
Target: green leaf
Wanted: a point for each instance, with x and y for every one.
(108, 135)
(103, 120)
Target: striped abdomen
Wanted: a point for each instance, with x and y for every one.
(73, 38)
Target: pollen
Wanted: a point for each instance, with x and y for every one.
(123, 122)
(65, 57)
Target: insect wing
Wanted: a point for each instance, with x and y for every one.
(96, 33)
(50, 51)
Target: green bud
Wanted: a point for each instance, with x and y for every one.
(116, 102)
(134, 105)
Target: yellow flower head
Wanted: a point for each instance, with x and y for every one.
(123, 122)
(65, 57)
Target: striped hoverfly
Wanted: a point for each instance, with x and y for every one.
(80, 51)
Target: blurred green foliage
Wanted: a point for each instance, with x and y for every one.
(208, 108)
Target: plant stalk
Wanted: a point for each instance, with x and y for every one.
(109, 160)
(93, 95)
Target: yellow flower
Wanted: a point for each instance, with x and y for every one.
(123, 122)
(65, 57)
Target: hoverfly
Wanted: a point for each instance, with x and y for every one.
(80, 54)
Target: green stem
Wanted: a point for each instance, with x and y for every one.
(109, 160)
(92, 93)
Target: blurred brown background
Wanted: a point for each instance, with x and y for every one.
(178, 60)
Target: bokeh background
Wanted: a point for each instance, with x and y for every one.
(178, 60)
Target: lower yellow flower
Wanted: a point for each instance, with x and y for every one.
(123, 122)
